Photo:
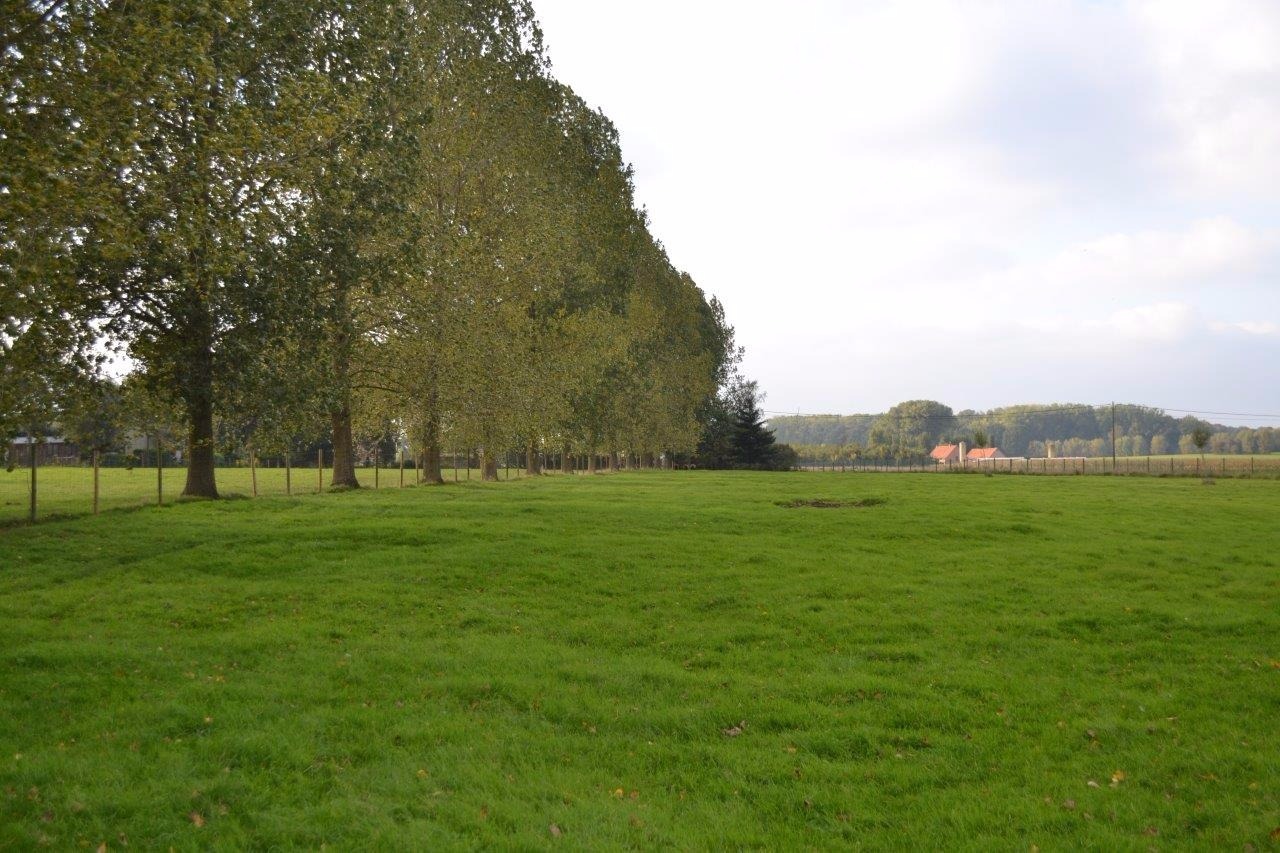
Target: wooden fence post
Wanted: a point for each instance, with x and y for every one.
(159, 472)
(95, 481)
(288, 486)
(319, 470)
(253, 471)
(31, 454)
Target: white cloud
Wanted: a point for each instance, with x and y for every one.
(1249, 327)
(1163, 321)
(1217, 252)
(1218, 67)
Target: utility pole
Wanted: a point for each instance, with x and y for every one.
(1113, 436)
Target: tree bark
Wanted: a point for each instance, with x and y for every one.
(532, 468)
(344, 462)
(489, 467)
(199, 403)
(591, 463)
(431, 454)
(566, 461)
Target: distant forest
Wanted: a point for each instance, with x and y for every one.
(914, 427)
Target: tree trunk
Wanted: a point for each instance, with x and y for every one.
(591, 463)
(199, 400)
(612, 461)
(532, 468)
(566, 461)
(431, 454)
(489, 467)
(344, 462)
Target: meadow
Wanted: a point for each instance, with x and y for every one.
(652, 659)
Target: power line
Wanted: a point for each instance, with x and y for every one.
(1016, 411)
(1059, 409)
(1219, 414)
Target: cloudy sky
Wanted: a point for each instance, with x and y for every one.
(977, 202)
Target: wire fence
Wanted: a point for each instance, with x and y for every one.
(1155, 466)
(53, 487)
(49, 487)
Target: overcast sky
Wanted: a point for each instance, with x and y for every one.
(976, 202)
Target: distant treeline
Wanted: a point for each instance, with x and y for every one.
(914, 427)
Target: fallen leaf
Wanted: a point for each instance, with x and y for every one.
(102, 848)
(1092, 784)
(555, 831)
(618, 793)
(1117, 778)
(1068, 804)
(734, 731)
(196, 818)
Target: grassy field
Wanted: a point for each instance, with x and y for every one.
(687, 660)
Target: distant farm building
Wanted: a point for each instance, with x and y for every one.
(945, 453)
(950, 454)
(49, 450)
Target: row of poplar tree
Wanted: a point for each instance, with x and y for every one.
(366, 218)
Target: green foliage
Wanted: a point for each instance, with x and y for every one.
(465, 667)
(910, 429)
(735, 435)
(386, 219)
(1029, 430)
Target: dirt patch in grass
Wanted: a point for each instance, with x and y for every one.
(829, 503)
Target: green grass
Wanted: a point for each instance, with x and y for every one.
(974, 662)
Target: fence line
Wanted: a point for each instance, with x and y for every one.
(62, 488)
(107, 481)
(1156, 466)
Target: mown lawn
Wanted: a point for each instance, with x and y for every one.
(653, 659)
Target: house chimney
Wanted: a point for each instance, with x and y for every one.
(962, 452)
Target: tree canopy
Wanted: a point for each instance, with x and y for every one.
(914, 427)
(368, 220)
